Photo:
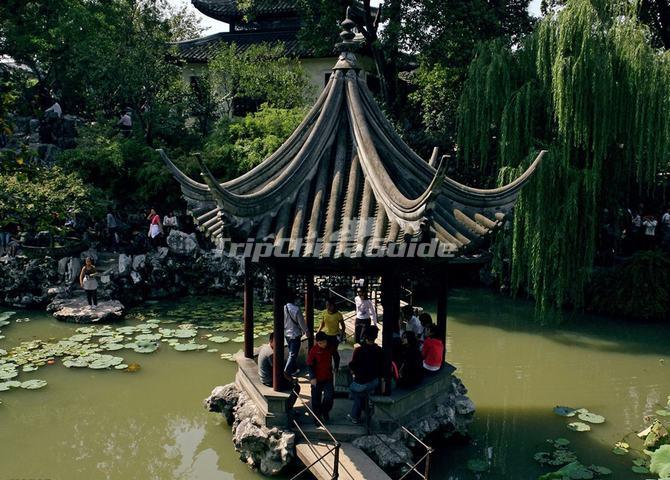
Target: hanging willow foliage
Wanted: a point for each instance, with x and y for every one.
(587, 86)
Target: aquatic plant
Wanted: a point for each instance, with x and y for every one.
(588, 86)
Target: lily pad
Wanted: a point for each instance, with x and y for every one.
(113, 346)
(660, 461)
(542, 457)
(639, 469)
(238, 339)
(184, 333)
(219, 339)
(185, 347)
(121, 366)
(564, 411)
(619, 451)
(478, 465)
(33, 384)
(212, 350)
(145, 347)
(600, 470)
(591, 417)
(579, 427)
(148, 337)
(663, 413)
(561, 442)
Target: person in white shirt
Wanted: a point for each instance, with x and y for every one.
(55, 110)
(366, 313)
(412, 323)
(649, 223)
(170, 222)
(665, 228)
(294, 329)
(125, 124)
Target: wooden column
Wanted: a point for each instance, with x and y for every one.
(309, 309)
(248, 310)
(278, 358)
(391, 305)
(441, 281)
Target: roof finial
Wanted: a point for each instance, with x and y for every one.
(347, 35)
(347, 46)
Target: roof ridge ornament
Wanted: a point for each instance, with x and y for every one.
(347, 60)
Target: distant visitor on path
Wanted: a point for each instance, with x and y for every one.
(170, 222)
(112, 230)
(367, 367)
(88, 281)
(54, 111)
(294, 329)
(332, 324)
(366, 314)
(412, 323)
(125, 124)
(320, 372)
(155, 228)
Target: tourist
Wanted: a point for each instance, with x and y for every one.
(410, 371)
(87, 280)
(367, 366)
(155, 228)
(294, 329)
(332, 324)
(649, 223)
(112, 230)
(320, 372)
(54, 111)
(125, 124)
(365, 314)
(432, 350)
(426, 321)
(170, 222)
(265, 371)
(665, 228)
(411, 321)
(265, 356)
(4, 240)
(635, 229)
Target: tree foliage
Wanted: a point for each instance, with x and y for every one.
(262, 73)
(34, 196)
(590, 87)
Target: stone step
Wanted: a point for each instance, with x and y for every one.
(354, 464)
(343, 432)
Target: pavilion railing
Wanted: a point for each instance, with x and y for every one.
(335, 449)
(425, 458)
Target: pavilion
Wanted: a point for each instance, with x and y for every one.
(345, 195)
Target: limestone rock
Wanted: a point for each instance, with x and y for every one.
(182, 243)
(125, 263)
(223, 399)
(139, 261)
(91, 252)
(386, 451)
(76, 310)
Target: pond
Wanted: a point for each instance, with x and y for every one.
(150, 424)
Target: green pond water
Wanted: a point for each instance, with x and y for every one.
(150, 424)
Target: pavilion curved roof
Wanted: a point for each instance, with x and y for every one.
(345, 182)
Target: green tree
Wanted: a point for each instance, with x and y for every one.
(590, 87)
(261, 73)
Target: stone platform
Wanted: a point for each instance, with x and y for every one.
(76, 310)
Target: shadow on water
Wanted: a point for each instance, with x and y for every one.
(483, 308)
(510, 437)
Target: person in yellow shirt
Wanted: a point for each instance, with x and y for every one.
(332, 324)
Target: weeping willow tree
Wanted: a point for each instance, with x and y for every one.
(588, 86)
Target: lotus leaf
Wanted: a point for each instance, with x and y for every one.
(33, 384)
(121, 366)
(29, 368)
(579, 427)
(622, 445)
(478, 465)
(239, 339)
(219, 339)
(660, 461)
(8, 371)
(600, 470)
(3, 352)
(4, 386)
(663, 413)
(185, 347)
(145, 347)
(111, 339)
(581, 410)
(212, 350)
(638, 469)
(4, 316)
(80, 337)
(149, 337)
(184, 333)
(591, 417)
(4, 323)
(561, 442)
(542, 457)
(564, 411)
(619, 451)
(86, 330)
(572, 471)
(113, 346)
(75, 363)
(99, 364)
(561, 457)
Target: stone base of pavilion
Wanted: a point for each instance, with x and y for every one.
(403, 406)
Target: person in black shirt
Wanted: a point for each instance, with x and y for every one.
(411, 363)
(366, 367)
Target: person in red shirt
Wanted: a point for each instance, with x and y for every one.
(320, 372)
(432, 350)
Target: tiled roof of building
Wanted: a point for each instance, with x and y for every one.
(201, 50)
(227, 11)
